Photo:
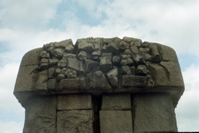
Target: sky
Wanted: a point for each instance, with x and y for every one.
(28, 24)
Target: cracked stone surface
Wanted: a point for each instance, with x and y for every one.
(87, 86)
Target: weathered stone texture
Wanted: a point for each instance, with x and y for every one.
(116, 121)
(107, 85)
(154, 112)
(116, 102)
(74, 121)
(40, 115)
(74, 102)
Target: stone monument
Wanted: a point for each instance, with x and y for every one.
(99, 85)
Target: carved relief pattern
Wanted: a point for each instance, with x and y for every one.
(99, 63)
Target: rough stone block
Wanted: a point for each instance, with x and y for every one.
(116, 102)
(105, 62)
(76, 121)
(74, 102)
(31, 57)
(167, 53)
(154, 112)
(41, 83)
(112, 76)
(40, 115)
(26, 78)
(159, 74)
(174, 73)
(72, 83)
(97, 80)
(75, 64)
(134, 81)
(52, 84)
(116, 122)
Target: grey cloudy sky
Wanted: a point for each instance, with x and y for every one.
(25, 25)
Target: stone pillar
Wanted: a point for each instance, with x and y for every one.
(40, 115)
(115, 114)
(153, 113)
(75, 114)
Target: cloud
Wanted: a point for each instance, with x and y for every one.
(25, 14)
(187, 110)
(14, 127)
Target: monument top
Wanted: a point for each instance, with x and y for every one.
(97, 66)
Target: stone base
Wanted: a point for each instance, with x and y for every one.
(111, 113)
(154, 113)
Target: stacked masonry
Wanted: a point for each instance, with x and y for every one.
(99, 85)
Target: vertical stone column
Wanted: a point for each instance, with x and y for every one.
(153, 113)
(40, 115)
(75, 114)
(115, 114)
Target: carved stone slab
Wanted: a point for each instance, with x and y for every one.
(99, 65)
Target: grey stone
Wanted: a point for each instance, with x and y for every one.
(174, 73)
(116, 122)
(82, 55)
(26, 78)
(159, 74)
(60, 77)
(84, 45)
(70, 73)
(116, 59)
(75, 64)
(154, 113)
(40, 115)
(74, 102)
(141, 70)
(72, 83)
(43, 63)
(123, 45)
(66, 44)
(91, 65)
(31, 58)
(112, 47)
(134, 49)
(75, 121)
(112, 76)
(133, 41)
(155, 52)
(113, 69)
(51, 72)
(116, 102)
(97, 80)
(44, 54)
(134, 81)
(52, 62)
(58, 53)
(106, 62)
(52, 84)
(126, 60)
(126, 70)
(62, 63)
(167, 53)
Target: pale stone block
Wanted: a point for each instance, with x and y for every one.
(74, 102)
(26, 78)
(116, 122)
(76, 121)
(154, 112)
(40, 115)
(116, 102)
(31, 57)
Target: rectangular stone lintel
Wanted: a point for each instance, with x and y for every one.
(74, 102)
(116, 102)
